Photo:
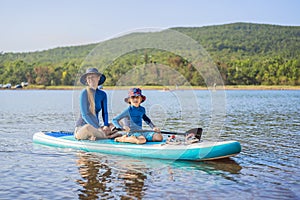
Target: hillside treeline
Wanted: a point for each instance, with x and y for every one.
(245, 54)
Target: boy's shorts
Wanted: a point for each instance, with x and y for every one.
(147, 135)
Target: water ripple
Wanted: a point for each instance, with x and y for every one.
(266, 123)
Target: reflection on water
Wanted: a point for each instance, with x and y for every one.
(98, 176)
(224, 165)
(94, 175)
(98, 173)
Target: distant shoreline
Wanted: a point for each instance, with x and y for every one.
(166, 88)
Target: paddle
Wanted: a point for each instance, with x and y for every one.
(196, 131)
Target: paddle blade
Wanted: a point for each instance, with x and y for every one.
(197, 132)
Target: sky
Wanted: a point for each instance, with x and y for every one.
(35, 25)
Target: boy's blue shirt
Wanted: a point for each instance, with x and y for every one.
(134, 115)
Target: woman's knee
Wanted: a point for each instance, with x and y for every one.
(80, 133)
(84, 132)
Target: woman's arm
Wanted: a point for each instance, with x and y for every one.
(104, 110)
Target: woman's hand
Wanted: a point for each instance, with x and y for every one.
(106, 128)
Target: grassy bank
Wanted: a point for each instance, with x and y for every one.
(227, 87)
(261, 87)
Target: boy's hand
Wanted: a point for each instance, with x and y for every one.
(126, 129)
(156, 129)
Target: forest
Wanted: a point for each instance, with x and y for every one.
(244, 53)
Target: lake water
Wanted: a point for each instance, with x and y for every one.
(266, 123)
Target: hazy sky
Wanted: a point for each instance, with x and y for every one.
(31, 25)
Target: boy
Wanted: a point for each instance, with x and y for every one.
(134, 115)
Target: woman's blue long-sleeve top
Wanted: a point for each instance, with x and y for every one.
(134, 115)
(86, 117)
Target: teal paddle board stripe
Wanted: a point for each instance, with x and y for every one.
(221, 150)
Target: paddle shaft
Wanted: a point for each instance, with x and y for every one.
(196, 131)
(172, 133)
(163, 132)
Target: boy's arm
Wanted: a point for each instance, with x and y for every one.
(148, 121)
(116, 120)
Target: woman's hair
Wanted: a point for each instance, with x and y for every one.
(91, 100)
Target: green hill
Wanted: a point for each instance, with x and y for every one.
(245, 53)
(247, 40)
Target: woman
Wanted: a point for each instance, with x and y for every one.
(92, 101)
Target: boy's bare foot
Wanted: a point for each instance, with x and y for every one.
(133, 139)
(130, 139)
(120, 139)
(92, 138)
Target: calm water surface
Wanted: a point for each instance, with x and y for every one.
(266, 123)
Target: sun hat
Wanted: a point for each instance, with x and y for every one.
(135, 92)
(92, 71)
